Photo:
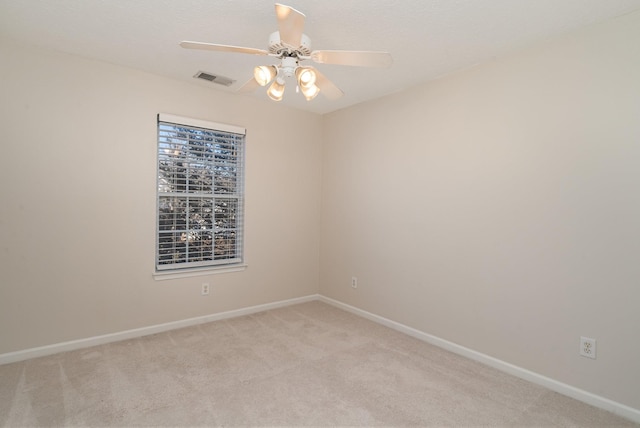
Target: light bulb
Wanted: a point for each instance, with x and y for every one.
(306, 76)
(276, 90)
(264, 74)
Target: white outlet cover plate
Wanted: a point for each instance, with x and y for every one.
(588, 347)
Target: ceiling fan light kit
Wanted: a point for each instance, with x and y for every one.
(291, 46)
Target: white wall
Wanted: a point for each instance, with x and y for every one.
(499, 208)
(77, 222)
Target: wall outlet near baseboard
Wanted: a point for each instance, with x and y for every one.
(354, 282)
(588, 347)
(205, 288)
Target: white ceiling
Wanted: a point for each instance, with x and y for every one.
(427, 38)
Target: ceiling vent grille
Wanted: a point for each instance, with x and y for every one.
(220, 80)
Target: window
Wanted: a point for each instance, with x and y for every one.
(200, 194)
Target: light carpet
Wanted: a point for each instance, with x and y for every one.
(307, 364)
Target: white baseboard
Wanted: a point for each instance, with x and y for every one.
(554, 385)
(42, 351)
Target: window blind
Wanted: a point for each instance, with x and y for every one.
(200, 193)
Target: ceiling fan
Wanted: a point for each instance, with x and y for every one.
(291, 47)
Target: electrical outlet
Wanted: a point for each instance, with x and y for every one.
(205, 288)
(354, 282)
(588, 347)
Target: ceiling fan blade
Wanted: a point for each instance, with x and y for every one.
(222, 48)
(290, 25)
(327, 87)
(355, 58)
(250, 86)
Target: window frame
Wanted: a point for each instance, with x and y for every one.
(214, 265)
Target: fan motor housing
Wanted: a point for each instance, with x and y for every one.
(277, 47)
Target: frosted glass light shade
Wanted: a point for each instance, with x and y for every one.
(276, 90)
(264, 74)
(310, 92)
(306, 77)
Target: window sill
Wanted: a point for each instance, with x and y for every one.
(186, 273)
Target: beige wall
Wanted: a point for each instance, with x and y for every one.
(499, 208)
(77, 224)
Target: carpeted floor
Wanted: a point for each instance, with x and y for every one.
(308, 364)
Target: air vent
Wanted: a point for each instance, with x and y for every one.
(220, 80)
